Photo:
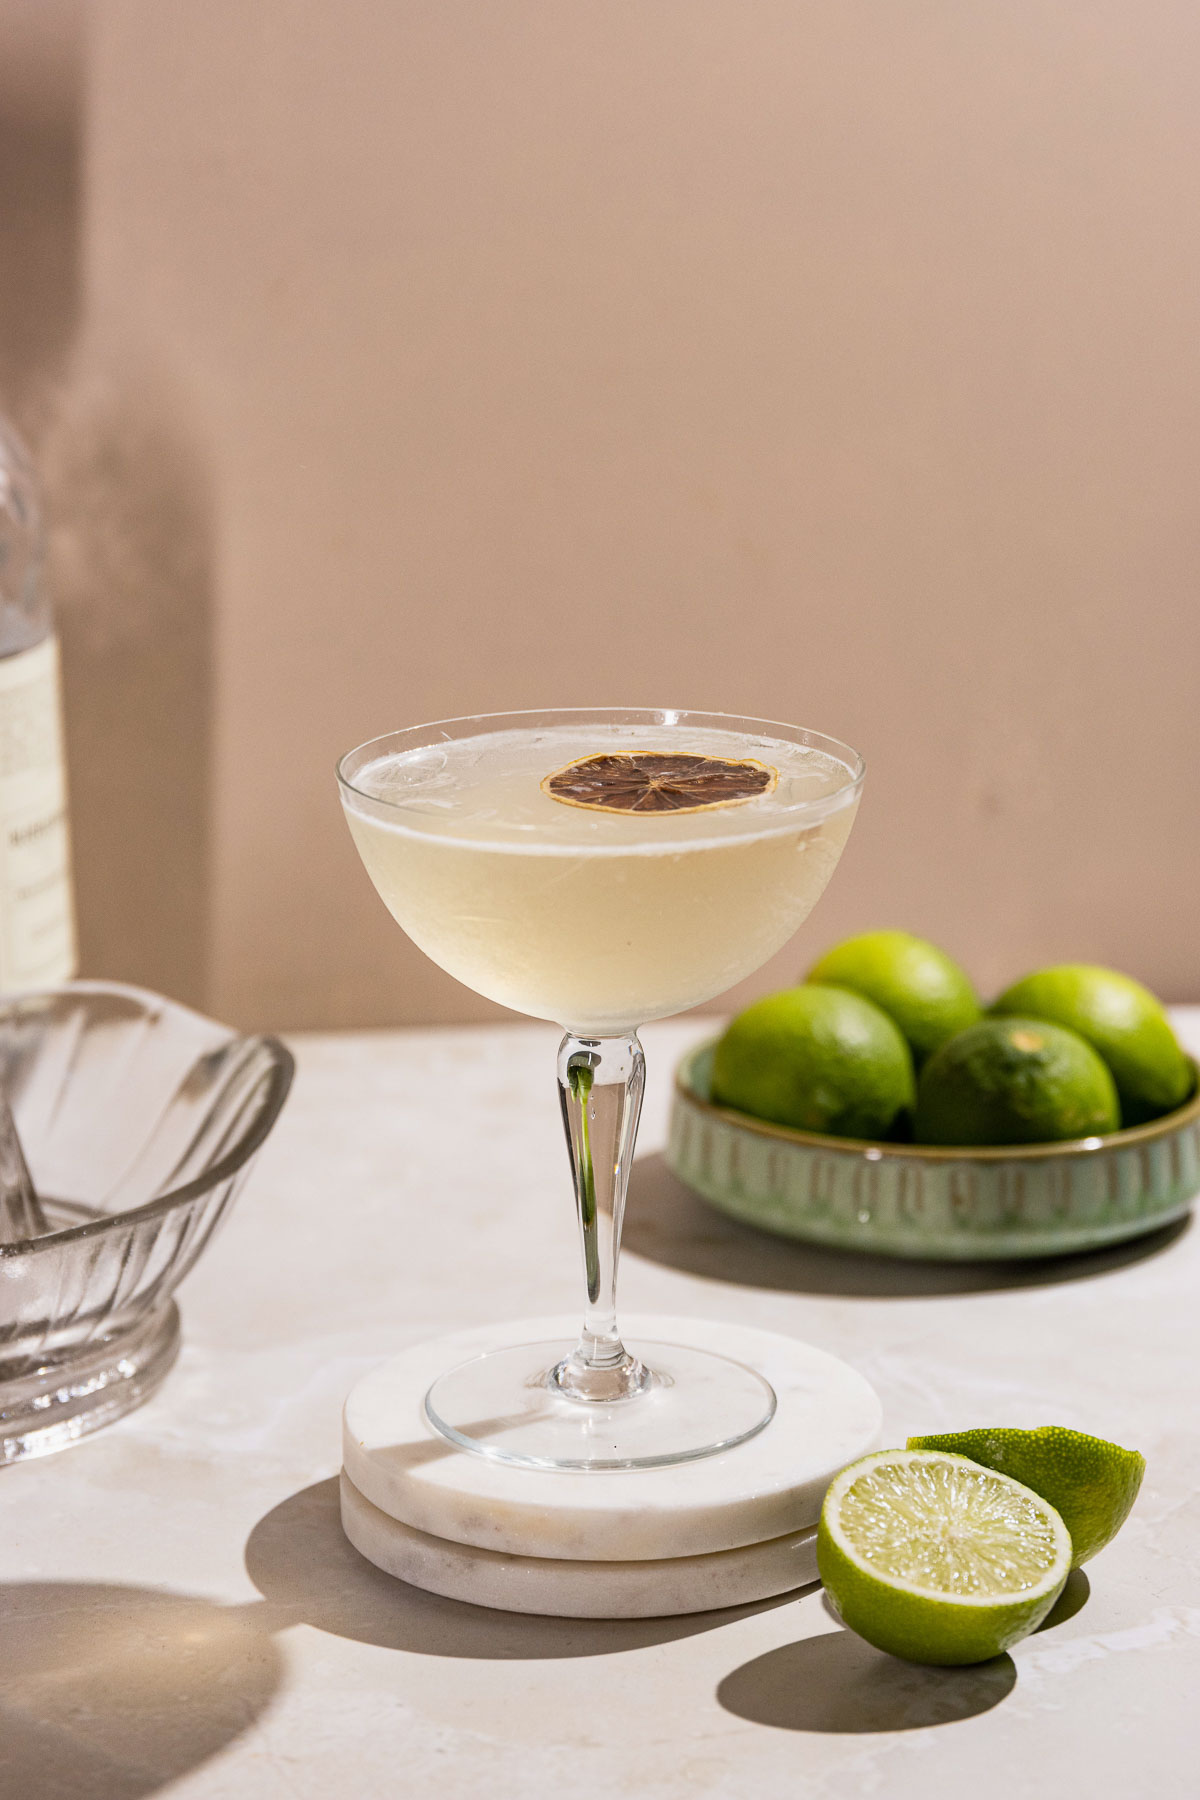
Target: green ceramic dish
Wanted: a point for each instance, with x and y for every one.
(956, 1205)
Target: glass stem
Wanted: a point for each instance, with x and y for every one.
(600, 1083)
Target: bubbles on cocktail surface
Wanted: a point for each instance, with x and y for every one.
(416, 778)
(489, 785)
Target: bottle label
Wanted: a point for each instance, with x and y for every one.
(37, 921)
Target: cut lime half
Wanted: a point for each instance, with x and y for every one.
(936, 1559)
(1092, 1483)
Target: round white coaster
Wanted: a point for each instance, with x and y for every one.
(768, 1487)
(578, 1590)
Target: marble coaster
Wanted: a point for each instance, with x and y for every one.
(578, 1590)
(769, 1487)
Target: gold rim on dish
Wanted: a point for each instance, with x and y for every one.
(1187, 1114)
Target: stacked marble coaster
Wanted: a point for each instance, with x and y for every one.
(609, 1544)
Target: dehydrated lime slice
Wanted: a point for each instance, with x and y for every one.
(939, 1560)
(650, 781)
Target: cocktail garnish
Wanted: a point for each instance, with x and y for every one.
(653, 782)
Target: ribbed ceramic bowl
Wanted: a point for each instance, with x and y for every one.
(139, 1120)
(956, 1205)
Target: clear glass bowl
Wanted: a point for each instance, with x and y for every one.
(140, 1120)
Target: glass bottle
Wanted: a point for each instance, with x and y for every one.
(37, 916)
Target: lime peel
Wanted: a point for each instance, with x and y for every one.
(1014, 1080)
(1122, 1021)
(934, 1558)
(816, 1059)
(916, 984)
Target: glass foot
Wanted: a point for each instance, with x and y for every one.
(509, 1406)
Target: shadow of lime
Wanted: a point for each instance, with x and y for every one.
(835, 1682)
(1075, 1594)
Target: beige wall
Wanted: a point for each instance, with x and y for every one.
(832, 362)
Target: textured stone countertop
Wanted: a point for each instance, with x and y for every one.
(180, 1613)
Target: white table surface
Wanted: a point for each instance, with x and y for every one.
(179, 1612)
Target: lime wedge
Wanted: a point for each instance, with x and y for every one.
(937, 1559)
(1091, 1482)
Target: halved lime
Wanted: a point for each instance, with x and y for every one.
(936, 1559)
(1091, 1482)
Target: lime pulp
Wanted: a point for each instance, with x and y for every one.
(936, 1559)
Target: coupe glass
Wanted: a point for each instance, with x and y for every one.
(598, 920)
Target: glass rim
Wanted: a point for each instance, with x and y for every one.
(279, 1066)
(823, 807)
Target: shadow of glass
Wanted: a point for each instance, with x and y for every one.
(117, 1691)
(667, 1223)
(836, 1682)
(300, 1561)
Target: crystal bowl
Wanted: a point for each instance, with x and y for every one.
(919, 1200)
(140, 1120)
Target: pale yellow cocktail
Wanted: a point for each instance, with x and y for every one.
(596, 920)
(600, 869)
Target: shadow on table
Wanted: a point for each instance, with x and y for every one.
(109, 1693)
(667, 1223)
(300, 1561)
(836, 1682)
(1074, 1596)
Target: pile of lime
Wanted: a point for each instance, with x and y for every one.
(953, 1549)
(886, 1038)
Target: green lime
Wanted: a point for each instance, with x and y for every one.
(917, 985)
(817, 1058)
(1014, 1081)
(935, 1558)
(1122, 1021)
(1092, 1483)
